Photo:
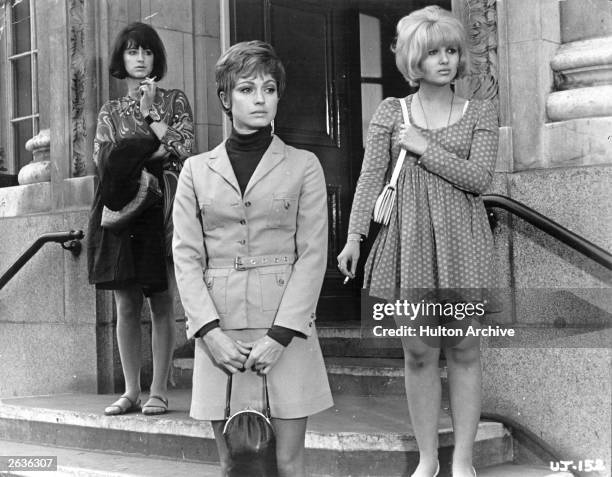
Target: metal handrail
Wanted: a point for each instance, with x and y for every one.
(74, 246)
(551, 227)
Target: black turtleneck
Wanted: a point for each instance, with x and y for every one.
(245, 151)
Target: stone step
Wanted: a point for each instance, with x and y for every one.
(347, 340)
(81, 463)
(354, 376)
(359, 436)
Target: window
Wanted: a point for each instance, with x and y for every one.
(18, 69)
(371, 69)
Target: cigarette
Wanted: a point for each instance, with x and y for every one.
(148, 80)
(346, 280)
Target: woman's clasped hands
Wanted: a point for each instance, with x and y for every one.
(234, 355)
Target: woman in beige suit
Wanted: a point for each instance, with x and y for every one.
(250, 248)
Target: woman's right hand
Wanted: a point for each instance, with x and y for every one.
(147, 89)
(348, 258)
(226, 352)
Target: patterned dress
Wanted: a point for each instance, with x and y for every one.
(137, 255)
(439, 235)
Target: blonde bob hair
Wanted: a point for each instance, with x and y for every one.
(424, 30)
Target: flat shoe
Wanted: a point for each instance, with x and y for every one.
(473, 471)
(123, 405)
(153, 408)
(437, 471)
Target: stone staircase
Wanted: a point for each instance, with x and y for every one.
(366, 433)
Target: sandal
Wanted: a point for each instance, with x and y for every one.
(152, 408)
(122, 405)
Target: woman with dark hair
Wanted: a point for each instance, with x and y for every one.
(252, 214)
(149, 127)
(437, 247)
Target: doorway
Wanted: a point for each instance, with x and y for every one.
(339, 67)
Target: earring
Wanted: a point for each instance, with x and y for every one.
(272, 124)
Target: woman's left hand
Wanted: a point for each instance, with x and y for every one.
(264, 354)
(161, 152)
(147, 89)
(412, 140)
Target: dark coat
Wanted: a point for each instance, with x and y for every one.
(134, 255)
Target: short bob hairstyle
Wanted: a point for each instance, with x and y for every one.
(245, 60)
(133, 36)
(424, 30)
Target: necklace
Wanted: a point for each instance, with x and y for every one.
(450, 113)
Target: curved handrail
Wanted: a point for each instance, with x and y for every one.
(525, 437)
(74, 246)
(551, 227)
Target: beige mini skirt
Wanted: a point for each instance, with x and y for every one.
(297, 384)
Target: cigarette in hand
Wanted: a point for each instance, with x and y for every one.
(148, 80)
(346, 280)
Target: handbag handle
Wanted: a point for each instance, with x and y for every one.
(228, 396)
(402, 155)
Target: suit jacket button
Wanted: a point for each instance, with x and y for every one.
(247, 203)
(243, 222)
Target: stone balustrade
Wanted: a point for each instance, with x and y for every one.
(39, 170)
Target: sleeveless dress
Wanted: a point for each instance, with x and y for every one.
(439, 236)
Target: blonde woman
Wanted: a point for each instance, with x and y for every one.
(438, 242)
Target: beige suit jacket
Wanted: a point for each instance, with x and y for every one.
(283, 212)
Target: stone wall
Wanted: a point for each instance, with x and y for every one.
(554, 378)
(47, 311)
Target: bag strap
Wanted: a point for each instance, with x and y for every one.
(402, 154)
(228, 396)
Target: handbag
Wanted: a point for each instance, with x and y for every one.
(250, 440)
(386, 200)
(148, 194)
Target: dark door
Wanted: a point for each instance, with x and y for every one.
(318, 42)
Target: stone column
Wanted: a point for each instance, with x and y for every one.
(532, 38)
(59, 105)
(580, 107)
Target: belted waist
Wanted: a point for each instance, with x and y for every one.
(244, 263)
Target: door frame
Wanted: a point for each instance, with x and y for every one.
(480, 18)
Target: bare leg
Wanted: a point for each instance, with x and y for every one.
(423, 389)
(221, 447)
(290, 436)
(465, 380)
(162, 340)
(129, 306)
